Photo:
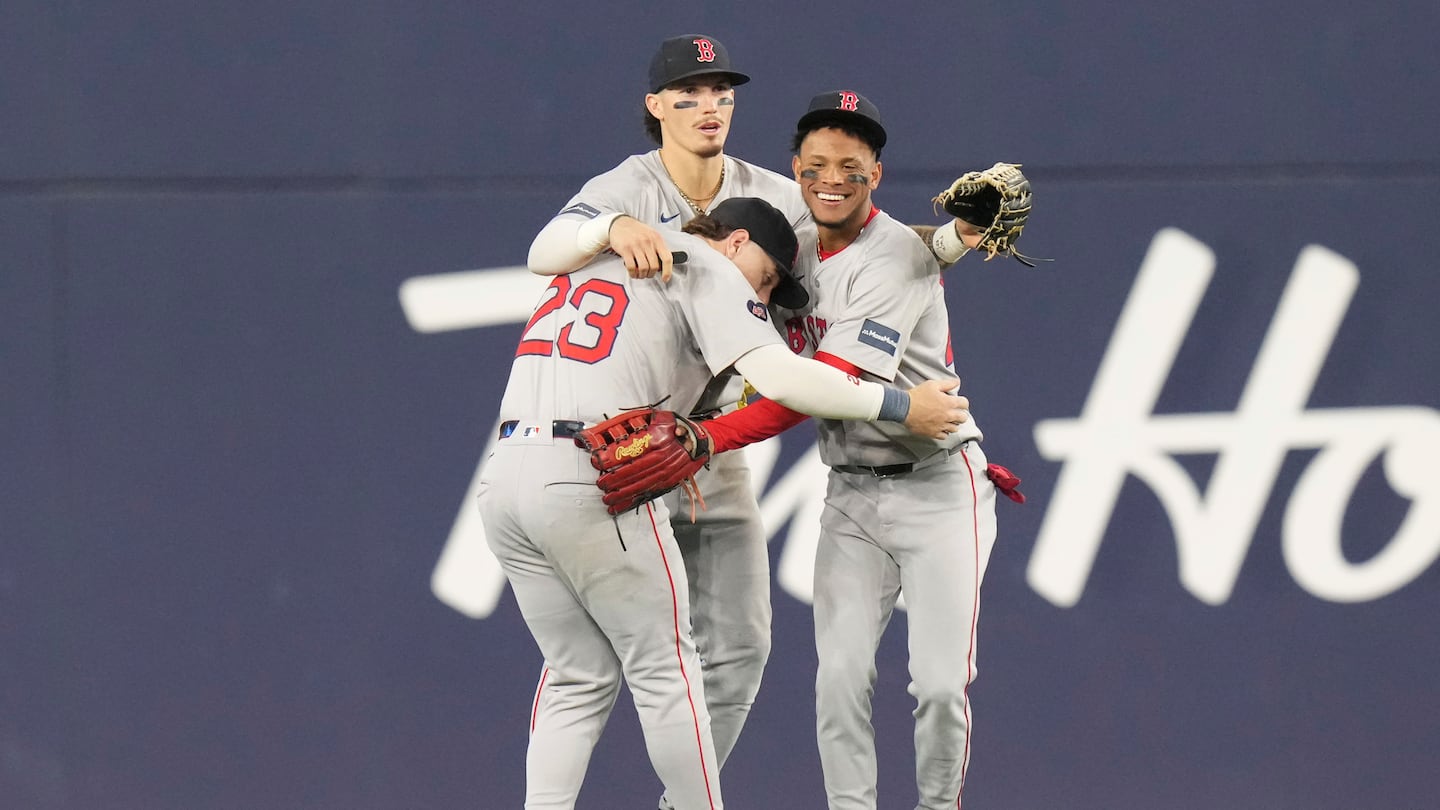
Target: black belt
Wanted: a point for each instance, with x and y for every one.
(887, 470)
(563, 428)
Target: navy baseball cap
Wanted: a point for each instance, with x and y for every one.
(844, 107)
(691, 55)
(770, 230)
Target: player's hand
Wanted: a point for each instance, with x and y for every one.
(935, 412)
(969, 234)
(642, 247)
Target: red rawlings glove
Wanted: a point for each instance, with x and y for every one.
(1005, 481)
(644, 453)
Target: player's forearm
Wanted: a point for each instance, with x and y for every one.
(945, 241)
(566, 244)
(816, 389)
(757, 422)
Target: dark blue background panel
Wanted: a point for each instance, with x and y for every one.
(265, 461)
(258, 303)
(450, 89)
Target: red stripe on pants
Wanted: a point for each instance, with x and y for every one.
(679, 656)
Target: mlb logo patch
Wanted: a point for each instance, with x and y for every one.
(882, 337)
(530, 430)
(758, 310)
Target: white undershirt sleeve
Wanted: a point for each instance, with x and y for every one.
(809, 386)
(567, 243)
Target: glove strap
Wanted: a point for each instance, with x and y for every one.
(692, 489)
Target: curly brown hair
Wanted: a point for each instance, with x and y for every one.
(707, 227)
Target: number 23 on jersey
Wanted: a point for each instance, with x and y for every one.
(587, 330)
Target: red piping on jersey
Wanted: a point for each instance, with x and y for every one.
(840, 363)
(539, 689)
(764, 418)
(825, 254)
(974, 615)
(679, 657)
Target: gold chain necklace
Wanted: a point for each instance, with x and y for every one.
(694, 205)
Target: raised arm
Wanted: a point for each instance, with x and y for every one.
(949, 242)
(989, 208)
(568, 242)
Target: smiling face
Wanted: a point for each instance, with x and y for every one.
(836, 172)
(694, 113)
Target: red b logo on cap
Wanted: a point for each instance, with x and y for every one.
(707, 50)
(849, 101)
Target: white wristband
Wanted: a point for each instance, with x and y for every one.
(594, 235)
(947, 244)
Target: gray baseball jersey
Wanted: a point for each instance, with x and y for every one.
(724, 549)
(607, 597)
(641, 187)
(923, 528)
(879, 304)
(630, 348)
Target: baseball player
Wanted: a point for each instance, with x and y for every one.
(606, 598)
(903, 514)
(688, 111)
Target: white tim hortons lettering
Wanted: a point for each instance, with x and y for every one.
(1117, 434)
(796, 499)
(467, 577)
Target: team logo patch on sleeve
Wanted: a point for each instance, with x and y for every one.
(880, 336)
(758, 310)
(589, 212)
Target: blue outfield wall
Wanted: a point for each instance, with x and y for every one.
(259, 289)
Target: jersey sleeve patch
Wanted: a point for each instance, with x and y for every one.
(882, 337)
(758, 309)
(582, 209)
